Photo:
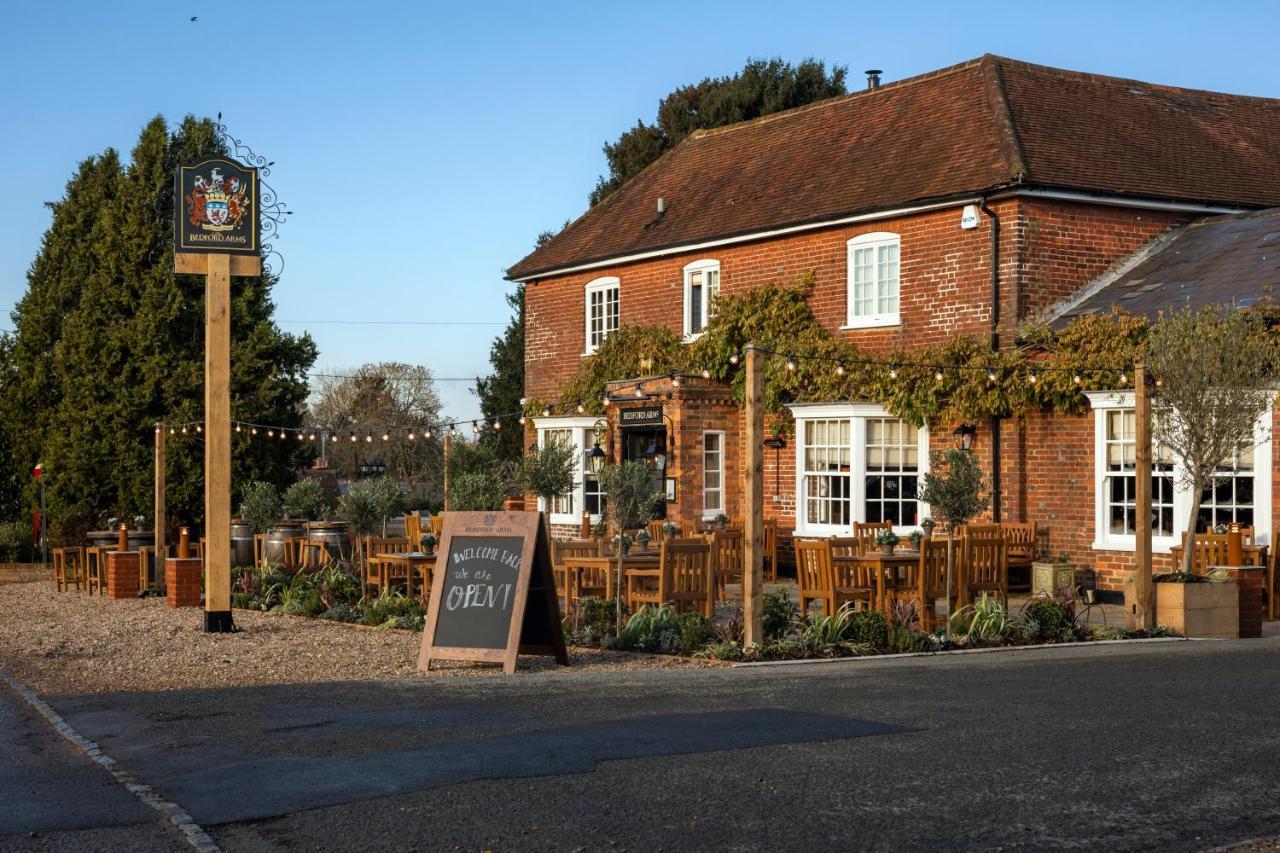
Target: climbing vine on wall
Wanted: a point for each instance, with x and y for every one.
(959, 379)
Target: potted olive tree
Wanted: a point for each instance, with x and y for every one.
(633, 489)
(955, 489)
(1214, 368)
(261, 508)
(548, 472)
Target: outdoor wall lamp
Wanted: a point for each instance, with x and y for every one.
(963, 435)
(596, 458)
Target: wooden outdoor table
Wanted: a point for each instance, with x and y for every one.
(648, 561)
(411, 560)
(882, 565)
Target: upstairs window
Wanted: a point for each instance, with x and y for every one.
(701, 289)
(602, 311)
(873, 280)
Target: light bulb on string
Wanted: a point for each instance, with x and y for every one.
(1031, 378)
(411, 435)
(172, 431)
(791, 365)
(237, 427)
(991, 376)
(675, 381)
(497, 425)
(839, 370)
(475, 428)
(522, 420)
(524, 400)
(427, 434)
(301, 437)
(639, 391)
(184, 430)
(368, 439)
(386, 436)
(1123, 380)
(893, 373)
(353, 436)
(271, 433)
(937, 376)
(1076, 379)
(581, 408)
(706, 374)
(546, 411)
(254, 431)
(733, 359)
(333, 439)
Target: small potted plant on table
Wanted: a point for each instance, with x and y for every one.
(622, 544)
(915, 539)
(888, 540)
(721, 520)
(428, 543)
(643, 538)
(669, 530)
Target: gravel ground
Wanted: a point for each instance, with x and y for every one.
(75, 643)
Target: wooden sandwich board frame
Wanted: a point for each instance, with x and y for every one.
(534, 626)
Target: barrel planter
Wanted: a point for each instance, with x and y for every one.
(241, 543)
(276, 549)
(336, 538)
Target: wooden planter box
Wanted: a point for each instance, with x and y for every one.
(1051, 578)
(1205, 610)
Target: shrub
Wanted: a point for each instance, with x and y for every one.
(695, 631)
(988, 621)
(341, 613)
(306, 499)
(14, 536)
(660, 629)
(591, 621)
(337, 586)
(779, 615)
(260, 506)
(393, 610)
(868, 627)
(903, 640)
(1048, 619)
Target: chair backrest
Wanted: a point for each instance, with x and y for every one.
(982, 531)
(1020, 537)
(437, 523)
(932, 568)
(655, 529)
(986, 562)
(770, 537)
(866, 533)
(1208, 549)
(813, 567)
(563, 548)
(413, 528)
(686, 575)
(375, 545)
(847, 546)
(728, 551)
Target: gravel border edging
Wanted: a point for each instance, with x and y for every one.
(171, 811)
(984, 650)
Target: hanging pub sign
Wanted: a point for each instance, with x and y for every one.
(642, 416)
(493, 595)
(216, 208)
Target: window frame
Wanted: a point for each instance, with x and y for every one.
(1103, 402)
(709, 512)
(582, 433)
(874, 241)
(704, 266)
(603, 284)
(858, 414)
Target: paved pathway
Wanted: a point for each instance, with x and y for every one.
(54, 797)
(1158, 747)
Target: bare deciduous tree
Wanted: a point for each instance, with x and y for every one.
(1214, 369)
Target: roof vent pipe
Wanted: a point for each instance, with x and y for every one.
(662, 206)
(873, 78)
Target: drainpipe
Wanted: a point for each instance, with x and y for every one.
(995, 346)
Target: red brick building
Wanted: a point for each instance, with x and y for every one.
(965, 201)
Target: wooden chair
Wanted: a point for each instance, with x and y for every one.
(437, 524)
(147, 556)
(866, 532)
(68, 568)
(561, 549)
(982, 531)
(655, 529)
(771, 550)
(1269, 589)
(1021, 544)
(820, 580)
(413, 528)
(374, 547)
(686, 581)
(727, 556)
(95, 567)
(927, 582)
(985, 567)
(1207, 549)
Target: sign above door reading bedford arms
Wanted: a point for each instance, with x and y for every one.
(644, 416)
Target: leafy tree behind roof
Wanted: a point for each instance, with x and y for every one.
(762, 87)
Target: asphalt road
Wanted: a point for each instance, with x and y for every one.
(1158, 747)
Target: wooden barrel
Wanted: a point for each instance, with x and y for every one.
(276, 550)
(334, 535)
(241, 543)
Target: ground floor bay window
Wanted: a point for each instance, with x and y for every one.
(857, 463)
(1241, 492)
(578, 433)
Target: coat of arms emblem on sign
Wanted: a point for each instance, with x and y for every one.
(217, 202)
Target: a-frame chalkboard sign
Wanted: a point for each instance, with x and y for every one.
(493, 594)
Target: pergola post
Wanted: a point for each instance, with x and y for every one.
(1144, 614)
(753, 501)
(160, 525)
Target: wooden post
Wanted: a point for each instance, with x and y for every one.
(753, 500)
(1144, 615)
(160, 526)
(448, 448)
(217, 269)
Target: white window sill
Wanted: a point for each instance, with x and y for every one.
(690, 337)
(1158, 546)
(871, 323)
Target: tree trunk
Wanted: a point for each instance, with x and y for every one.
(1188, 544)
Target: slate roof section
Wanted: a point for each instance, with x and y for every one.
(1223, 260)
(977, 127)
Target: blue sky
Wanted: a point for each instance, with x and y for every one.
(423, 146)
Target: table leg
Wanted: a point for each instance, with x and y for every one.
(881, 604)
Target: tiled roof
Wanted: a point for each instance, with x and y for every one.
(986, 124)
(1223, 260)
